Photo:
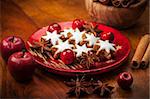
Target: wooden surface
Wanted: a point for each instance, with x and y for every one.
(23, 17)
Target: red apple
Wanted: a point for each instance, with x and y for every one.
(107, 36)
(54, 27)
(78, 23)
(125, 80)
(67, 56)
(11, 44)
(21, 66)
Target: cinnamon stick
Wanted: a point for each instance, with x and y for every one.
(146, 57)
(127, 3)
(141, 48)
(116, 3)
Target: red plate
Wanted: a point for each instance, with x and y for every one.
(120, 58)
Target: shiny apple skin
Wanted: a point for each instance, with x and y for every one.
(125, 80)
(8, 46)
(67, 56)
(107, 36)
(78, 23)
(21, 66)
(54, 27)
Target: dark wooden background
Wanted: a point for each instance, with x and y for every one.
(23, 17)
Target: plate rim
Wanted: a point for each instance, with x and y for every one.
(100, 70)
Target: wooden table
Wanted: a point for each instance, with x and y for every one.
(23, 17)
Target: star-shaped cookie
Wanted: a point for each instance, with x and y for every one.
(91, 39)
(77, 36)
(62, 46)
(105, 45)
(80, 49)
(54, 37)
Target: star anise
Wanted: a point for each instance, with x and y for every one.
(104, 90)
(97, 30)
(79, 87)
(87, 59)
(89, 27)
(42, 48)
(104, 56)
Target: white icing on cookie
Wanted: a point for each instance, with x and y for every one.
(105, 45)
(54, 37)
(66, 31)
(77, 36)
(91, 39)
(80, 49)
(62, 46)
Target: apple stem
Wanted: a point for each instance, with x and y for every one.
(12, 39)
(23, 51)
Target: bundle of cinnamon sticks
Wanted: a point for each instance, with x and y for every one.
(142, 53)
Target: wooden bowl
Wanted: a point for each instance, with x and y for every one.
(115, 17)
